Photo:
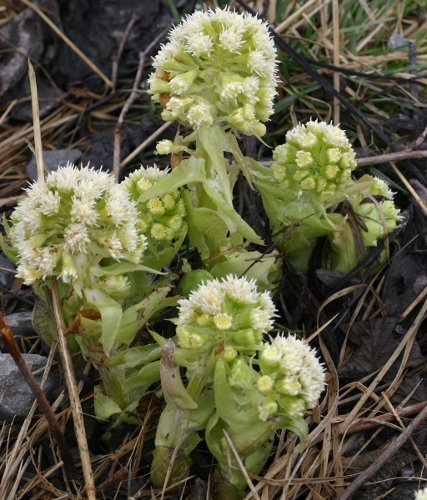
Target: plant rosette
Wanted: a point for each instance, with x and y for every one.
(251, 404)
(220, 319)
(81, 228)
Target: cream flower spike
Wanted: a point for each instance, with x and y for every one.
(219, 66)
(75, 217)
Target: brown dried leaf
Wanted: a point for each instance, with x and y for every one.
(376, 340)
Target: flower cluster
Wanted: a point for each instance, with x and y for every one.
(160, 218)
(376, 210)
(74, 218)
(316, 158)
(292, 377)
(229, 314)
(218, 66)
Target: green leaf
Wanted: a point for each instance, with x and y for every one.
(136, 356)
(111, 314)
(210, 223)
(104, 406)
(120, 268)
(174, 391)
(190, 170)
(146, 376)
(297, 425)
(163, 258)
(212, 139)
(231, 217)
(197, 238)
(231, 145)
(134, 318)
(10, 252)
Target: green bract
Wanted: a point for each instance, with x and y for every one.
(218, 66)
(70, 222)
(317, 160)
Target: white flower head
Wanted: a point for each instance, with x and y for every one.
(294, 367)
(67, 216)
(317, 159)
(205, 48)
(230, 311)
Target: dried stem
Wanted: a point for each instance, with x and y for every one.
(116, 57)
(73, 393)
(8, 340)
(382, 419)
(128, 104)
(387, 455)
(113, 480)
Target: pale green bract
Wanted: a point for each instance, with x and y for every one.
(219, 66)
(70, 222)
(317, 159)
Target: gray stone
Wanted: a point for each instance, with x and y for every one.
(6, 277)
(53, 160)
(20, 323)
(16, 397)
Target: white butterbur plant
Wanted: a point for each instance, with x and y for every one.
(235, 382)
(255, 396)
(310, 174)
(217, 74)
(81, 228)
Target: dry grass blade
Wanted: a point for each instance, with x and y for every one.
(76, 407)
(388, 453)
(241, 466)
(144, 144)
(36, 122)
(410, 188)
